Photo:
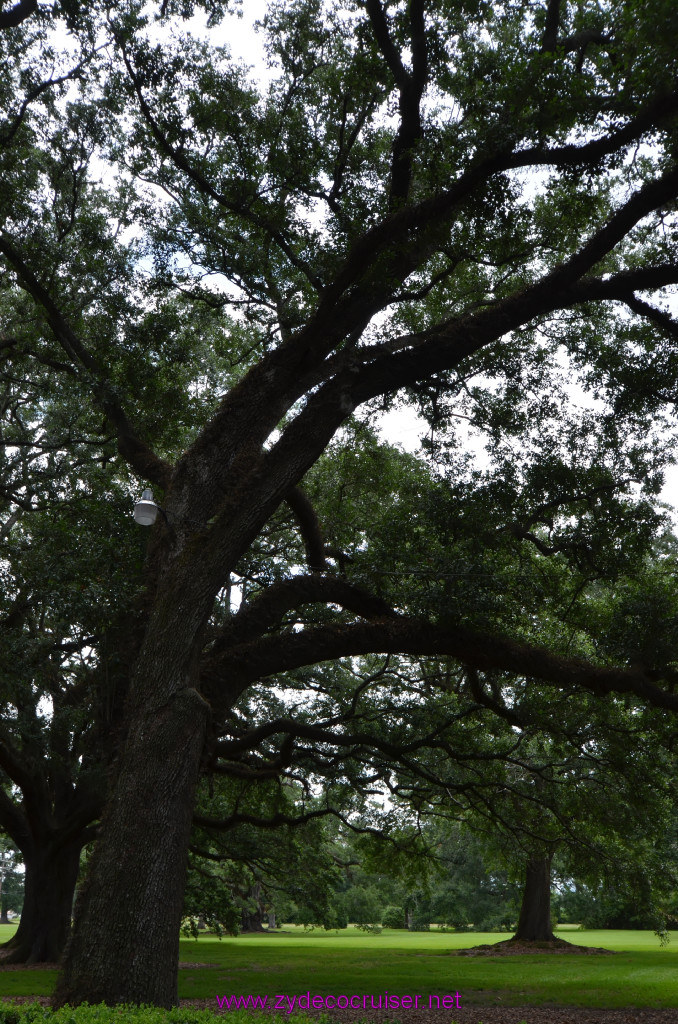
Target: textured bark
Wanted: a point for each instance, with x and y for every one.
(125, 946)
(51, 875)
(534, 923)
(252, 922)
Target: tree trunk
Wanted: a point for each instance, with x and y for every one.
(252, 918)
(534, 923)
(51, 874)
(252, 922)
(271, 921)
(125, 943)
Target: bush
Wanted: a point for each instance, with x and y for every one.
(606, 907)
(393, 917)
(338, 918)
(363, 905)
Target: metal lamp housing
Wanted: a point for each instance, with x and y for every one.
(146, 510)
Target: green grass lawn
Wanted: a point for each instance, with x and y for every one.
(642, 973)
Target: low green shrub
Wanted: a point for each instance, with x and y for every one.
(34, 1013)
(393, 917)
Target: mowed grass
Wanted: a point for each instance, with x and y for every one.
(349, 962)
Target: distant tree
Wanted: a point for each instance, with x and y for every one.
(11, 882)
(63, 644)
(471, 889)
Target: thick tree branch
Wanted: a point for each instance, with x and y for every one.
(656, 316)
(13, 821)
(309, 526)
(550, 36)
(621, 286)
(14, 764)
(580, 40)
(255, 619)
(444, 347)
(402, 635)
(6, 527)
(521, 533)
(322, 734)
(276, 820)
(411, 88)
(496, 705)
(652, 196)
(411, 94)
(385, 43)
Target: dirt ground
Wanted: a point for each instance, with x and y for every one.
(489, 1015)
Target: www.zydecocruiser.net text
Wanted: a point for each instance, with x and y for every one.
(307, 1001)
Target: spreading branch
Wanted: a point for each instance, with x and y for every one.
(435, 209)
(291, 820)
(205, 187)
(404, 635)
(267, 392)
(134, 449)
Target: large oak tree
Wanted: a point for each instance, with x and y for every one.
(453, 202)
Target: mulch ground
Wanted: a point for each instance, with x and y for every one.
(511, 947)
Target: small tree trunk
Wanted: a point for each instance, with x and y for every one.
(253, 915)
(271, 921)
(534, 923)
(125, 942)
(51, 874)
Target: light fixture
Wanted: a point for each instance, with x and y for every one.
(145, 509)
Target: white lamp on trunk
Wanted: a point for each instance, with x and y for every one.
(146, 510)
